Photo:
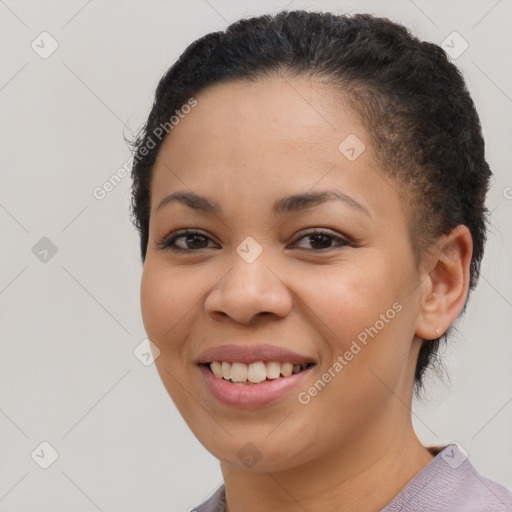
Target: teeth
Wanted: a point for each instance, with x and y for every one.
(286, 369)
(216, 368)
(254, 372)
(273, 370)
(239, 372)
(226, 370)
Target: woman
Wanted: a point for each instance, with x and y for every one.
(309, 191)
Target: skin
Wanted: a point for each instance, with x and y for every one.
(245, 145)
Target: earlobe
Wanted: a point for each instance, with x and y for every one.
(445, 287)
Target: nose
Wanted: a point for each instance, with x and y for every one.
(248, 290)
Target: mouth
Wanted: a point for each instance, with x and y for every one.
(253, 385)
(255, 373)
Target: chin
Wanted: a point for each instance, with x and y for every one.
(258, 456)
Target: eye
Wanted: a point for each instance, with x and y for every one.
(323, 239)
(191, 240)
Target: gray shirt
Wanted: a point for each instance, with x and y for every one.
(448, 483)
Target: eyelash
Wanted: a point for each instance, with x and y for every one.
(168, 242)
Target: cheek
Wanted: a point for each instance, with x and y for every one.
(165, 302)
(362, 312)
(349, 299)
(361, 316)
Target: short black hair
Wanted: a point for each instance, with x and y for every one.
(412, 99)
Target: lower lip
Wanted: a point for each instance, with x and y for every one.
(247, 396)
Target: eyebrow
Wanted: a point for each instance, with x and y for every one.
(294, 203)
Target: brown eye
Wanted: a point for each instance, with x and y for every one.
(322, 240)
(189, 241)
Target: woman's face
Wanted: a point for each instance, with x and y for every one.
(346, 300)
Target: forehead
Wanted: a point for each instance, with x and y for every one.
(266, 113)
(255, 141)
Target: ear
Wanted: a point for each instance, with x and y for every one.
(445, 286)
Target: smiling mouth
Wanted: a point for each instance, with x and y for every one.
(254, 373)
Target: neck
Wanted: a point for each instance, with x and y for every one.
(363, 474)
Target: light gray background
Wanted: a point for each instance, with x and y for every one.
(69, 326)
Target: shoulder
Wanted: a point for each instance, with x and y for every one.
(451, 482)
(215, 503)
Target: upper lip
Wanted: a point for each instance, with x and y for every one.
(251, 354)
